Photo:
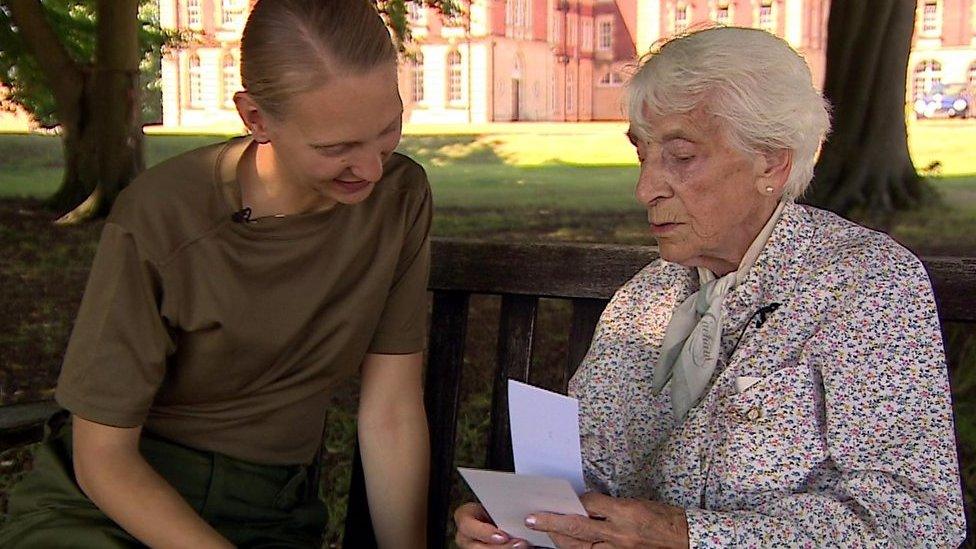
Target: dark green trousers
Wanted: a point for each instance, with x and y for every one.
(252, 505)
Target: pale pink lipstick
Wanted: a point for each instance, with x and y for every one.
(660, 229)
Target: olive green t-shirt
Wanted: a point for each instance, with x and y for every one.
(228, 336)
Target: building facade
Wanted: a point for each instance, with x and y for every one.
(544, 60)
(802, 23)
(944, 45)
(199, 80)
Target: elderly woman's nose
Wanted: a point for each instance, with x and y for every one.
(651, 185)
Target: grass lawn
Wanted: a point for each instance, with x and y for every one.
(505, 181)
(554, 181)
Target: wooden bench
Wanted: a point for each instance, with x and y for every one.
(521, 274)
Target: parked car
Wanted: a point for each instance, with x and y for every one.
(952, 100)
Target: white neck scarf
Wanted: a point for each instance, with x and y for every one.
(690, 349)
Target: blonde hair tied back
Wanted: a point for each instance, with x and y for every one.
(294, 46)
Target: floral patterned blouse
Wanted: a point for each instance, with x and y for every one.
(828, 421)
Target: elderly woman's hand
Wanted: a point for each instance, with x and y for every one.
(475, 530)
(616, 522)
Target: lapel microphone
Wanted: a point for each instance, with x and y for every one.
(241, 216)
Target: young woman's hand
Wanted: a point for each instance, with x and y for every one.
(475, 530)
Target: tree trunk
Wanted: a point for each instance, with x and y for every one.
(865, 167)
(109, 144)
(98, 106)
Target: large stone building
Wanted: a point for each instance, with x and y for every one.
(562, 60)
(199, 80)
(944, 45)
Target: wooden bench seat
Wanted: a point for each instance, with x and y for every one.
(521, 274)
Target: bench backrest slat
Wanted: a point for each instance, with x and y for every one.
(953, 280)
(586, 315)
(448, 330)
(516, 335)
(542, 270)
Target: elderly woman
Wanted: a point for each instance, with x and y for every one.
(778, 377)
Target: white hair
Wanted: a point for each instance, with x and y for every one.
(754, 82)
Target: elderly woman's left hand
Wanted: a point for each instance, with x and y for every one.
(615, 523)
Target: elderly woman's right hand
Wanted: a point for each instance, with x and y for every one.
(475, 530)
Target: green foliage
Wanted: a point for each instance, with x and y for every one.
(74, 21)
(396, 12)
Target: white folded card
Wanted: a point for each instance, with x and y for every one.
(545, 434)
(742, 383)
(548, 464)
(509, 498)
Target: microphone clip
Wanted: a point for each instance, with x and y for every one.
(764, 312)
(241, 216)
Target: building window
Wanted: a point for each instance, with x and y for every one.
(518, 18)
(767, 16)
(231, 13)
(571, 30)
(682, 17)
(570, 93)
(521, 13)
(587, 32)
(417, 77)
(230, 80)
(972, 18)
(196, 83)
(194, 17)
(926, 75)
(454, 77)
(931, 20)
(611, 79)
(605, 39)
(553, 95)
(723, 13)
(416, 13)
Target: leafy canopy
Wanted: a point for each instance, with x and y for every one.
(74, 22)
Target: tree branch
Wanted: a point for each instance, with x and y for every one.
(62, 73)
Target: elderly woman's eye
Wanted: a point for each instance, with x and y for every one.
(680, 158)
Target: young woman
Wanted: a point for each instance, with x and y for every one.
(234, 286)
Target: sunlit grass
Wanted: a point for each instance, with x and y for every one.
(950, 142)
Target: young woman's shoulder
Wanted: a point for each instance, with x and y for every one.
(173, 201)
(404, 173)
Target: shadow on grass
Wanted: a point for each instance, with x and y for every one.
(450, 150)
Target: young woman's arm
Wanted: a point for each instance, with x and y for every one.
(395, 447)
(112, 473)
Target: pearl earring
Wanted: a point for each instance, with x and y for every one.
(769, 190)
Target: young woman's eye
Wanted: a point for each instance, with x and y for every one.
(332, 150)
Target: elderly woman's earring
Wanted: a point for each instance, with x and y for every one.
(769, 190)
